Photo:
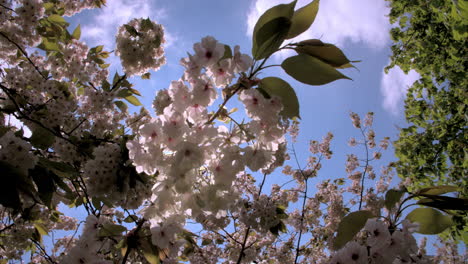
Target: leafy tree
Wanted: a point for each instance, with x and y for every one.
(431, 38)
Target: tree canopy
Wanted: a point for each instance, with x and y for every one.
(430, 37)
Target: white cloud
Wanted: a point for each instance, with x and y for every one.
(102, 28)
(338, 21)
(394, 86)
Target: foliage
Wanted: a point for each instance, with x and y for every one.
(431, 38)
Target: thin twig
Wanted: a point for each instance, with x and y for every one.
(25, 54)
(6, 7)
(43, 251)
(365, 168)
(246, 236)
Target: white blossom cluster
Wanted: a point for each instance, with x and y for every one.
(17, 153)
(139, 45)
(105, 177)
(74, 63)
(381, 246)
(90, 247)
(19, 26)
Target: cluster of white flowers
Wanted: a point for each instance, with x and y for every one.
(139, 45)
(90, 247)
(19, 26)
(260, 215)
(381, 246)
(74, 63)
(17, 153)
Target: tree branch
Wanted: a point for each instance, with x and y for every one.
(25, 54)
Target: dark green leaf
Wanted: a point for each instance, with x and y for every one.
(150, 251)
(111, 230)
(392, 197)
(206, 241)
(146, 24)
(431, 221)
(444, 202)
(124, 93)
(42, 138)
(303, 19)
(282, 89)
(45, 184)
(227, 53)
(327, 53)
(349, 226)
(131, 219)
(9, 195)
(310, 70)
(61, 169)
(146, 76)
(270, 37)
(283, 10)
(131, 30)
(437, 190)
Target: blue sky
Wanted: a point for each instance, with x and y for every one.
(360, 28)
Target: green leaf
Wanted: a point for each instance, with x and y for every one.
(327, 53)
(431, 221)
(437, 190)
(61, 169)
(41, 229)
(99, 48)
(111, 230)
(44, 181)
(124, 93)
(392, 197)
(444, 202)
(206, 241)
(349, 226)
(282, 89)
(146, 76)
(9, 194)
(270, 37)
(42, 138)
(48, 45)
(131, 219)
(303, 19)
(227, 53)
(283, 10)
(150, 251)
(146, 24)
(57, 19)
(131, 30)
(133, 100)
(121, 105)
(310, 70)
(48, 6)
(77, 32)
